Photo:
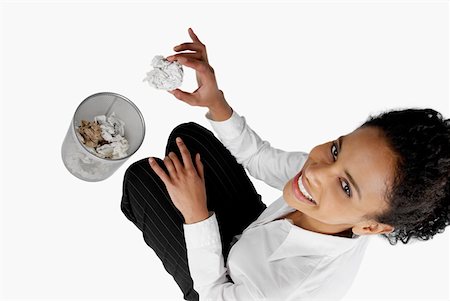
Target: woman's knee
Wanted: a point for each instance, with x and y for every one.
(139, 178)
(128, 205)
(183, 128)
(185, 125)
(135, 169)
(187, 131)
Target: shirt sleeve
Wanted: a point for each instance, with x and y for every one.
(266, 163)
(206, 264)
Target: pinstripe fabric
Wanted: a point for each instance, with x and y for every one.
(229, 191)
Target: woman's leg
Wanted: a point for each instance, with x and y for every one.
(229, 191)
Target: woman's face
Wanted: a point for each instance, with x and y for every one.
(362, 156)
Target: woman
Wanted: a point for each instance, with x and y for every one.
(214, 235)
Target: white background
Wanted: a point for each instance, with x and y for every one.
(301, 74)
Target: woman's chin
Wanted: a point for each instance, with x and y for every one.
(288, 195)
(286, 191)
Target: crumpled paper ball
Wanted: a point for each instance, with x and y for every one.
(165, 75)
(104, 137)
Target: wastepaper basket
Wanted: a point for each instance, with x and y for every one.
(86, 165)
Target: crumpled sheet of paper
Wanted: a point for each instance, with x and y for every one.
(165, 75)
(91, 133)
(104, 137)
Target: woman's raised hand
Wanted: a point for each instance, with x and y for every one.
(207, 94)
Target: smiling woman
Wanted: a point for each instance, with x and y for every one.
(214, 235)
(359, 183)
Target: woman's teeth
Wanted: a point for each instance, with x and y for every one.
(303, 190)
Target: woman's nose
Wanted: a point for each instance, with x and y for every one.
(316, 174)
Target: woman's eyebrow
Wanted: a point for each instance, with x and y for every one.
(341, 144)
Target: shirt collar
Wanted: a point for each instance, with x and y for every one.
(301, 242)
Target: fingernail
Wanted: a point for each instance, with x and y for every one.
(178, 139)
(182, 60)
(151, 160)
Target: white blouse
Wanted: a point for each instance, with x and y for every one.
(272, 259)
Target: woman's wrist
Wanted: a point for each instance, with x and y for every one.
(196, 219)
(221, 111)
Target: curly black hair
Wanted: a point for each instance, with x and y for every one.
(420, 193)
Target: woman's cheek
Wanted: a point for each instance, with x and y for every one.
(330, 211)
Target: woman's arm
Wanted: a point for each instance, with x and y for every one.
(271, 165)
(207, 267)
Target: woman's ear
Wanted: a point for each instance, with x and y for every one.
(372, 227)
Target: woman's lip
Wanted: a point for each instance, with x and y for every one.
(306, 187)
(297, 191)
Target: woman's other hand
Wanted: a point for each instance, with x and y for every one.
(185, 183)
(207, 94)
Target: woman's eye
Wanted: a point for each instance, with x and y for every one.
(334, 153)
(346, 188)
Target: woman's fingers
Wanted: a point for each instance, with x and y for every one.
(199, 164)
(176, 162)
(193, 35)
(190, 46)
(185, 154)
(184, 96)
(195, 64)
(198, 47)
(170, 167)
(159, 171)
(173, 164)
(190, 55)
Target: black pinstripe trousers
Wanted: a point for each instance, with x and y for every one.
(230, 194)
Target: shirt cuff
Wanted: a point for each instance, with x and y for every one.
(203, 233)
(230, 128)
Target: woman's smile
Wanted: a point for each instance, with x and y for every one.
(297, 191)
